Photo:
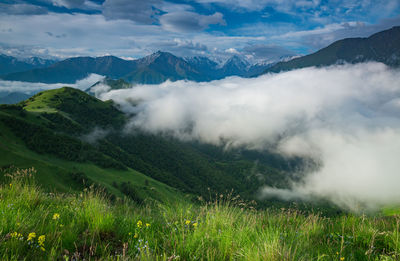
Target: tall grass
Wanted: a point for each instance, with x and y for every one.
(88, 226)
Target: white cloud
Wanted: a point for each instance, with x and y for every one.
(21, 9)
(346, 118)
(69, 3)
(232, 51)
(135, 10)
(30, 88)
(94, 35)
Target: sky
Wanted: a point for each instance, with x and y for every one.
(261, 30)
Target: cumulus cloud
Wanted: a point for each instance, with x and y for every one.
(69, 3)
(135, 10)
(22, 9)
(189, 21)
(345, 118)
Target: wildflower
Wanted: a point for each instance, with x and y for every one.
(135, 236)
(130, 233)
(195, 224)
(187, 222)
(56, 216)
(14, 235)
(41, 240)
(147, 224)
(31, 236)
(342, 258)
(10, 185)
(139, 224)
(43, 249)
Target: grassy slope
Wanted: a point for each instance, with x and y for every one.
(55, 174)
(89, 227)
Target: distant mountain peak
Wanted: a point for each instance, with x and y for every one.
(237, 61)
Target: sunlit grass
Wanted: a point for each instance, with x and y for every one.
(35, 225)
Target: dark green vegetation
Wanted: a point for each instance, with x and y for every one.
(380, 47)
(35, 225)
(65, 131)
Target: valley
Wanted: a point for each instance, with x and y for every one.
(199, 130)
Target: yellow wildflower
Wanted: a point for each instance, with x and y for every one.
(14, 235)
(342, 258)
(135, 236)
(195, 224)
(56, 216)
(139, 224)
(130, 233)
(31, 236)
(187, 222)
(10, 185)
(147, 224)
(42, 248)
(41, 240)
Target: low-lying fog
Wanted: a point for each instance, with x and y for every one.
(345, 117)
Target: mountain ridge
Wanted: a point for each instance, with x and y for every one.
(10, 64)
(382, 47)
(152, 69)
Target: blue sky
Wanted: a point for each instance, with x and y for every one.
(259, 30)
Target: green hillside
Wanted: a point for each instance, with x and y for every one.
(61, 175)
(66, 131)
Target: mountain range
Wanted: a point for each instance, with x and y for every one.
(9, 64)
(153, 69)
(161, 66)
(381, 47)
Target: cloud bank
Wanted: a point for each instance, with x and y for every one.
(32, 88)
(347, 118)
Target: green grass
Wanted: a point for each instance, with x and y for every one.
(88, 226)
(54, 174)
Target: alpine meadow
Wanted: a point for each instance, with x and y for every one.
(199, 130)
